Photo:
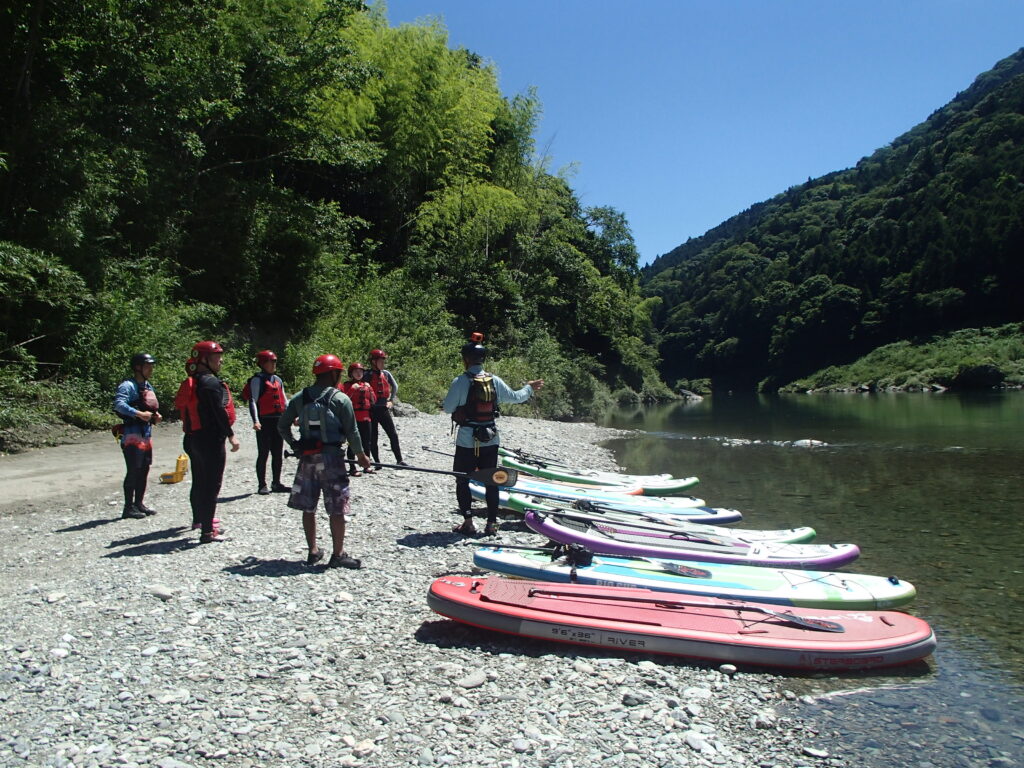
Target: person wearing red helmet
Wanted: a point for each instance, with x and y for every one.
(265, 394)
(384, 390)
(361, 394)
(208, 414)
(326, 420)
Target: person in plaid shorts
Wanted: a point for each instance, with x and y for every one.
(326, 421)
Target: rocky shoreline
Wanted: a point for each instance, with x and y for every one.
(125, 643)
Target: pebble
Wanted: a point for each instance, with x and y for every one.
(237, 654)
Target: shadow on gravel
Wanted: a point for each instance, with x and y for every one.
(435, 539)
(253, 566)
(228, 499)
(155, 548)
(89, 525)
(144, 538)
(446, 633)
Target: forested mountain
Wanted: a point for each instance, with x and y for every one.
(924, 235)
(273, 172)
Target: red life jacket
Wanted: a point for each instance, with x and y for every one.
(361, 395)
(271, 401)
(186, 401)
(381, 386)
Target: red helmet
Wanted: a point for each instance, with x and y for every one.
(376, 354)
(355, 367)
(203, 348)
(265, 356)
(326, 363)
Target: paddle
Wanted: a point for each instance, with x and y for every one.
(819, 625)
(533, 458)
(674, 533)
(428, 449)
(572, 500)
(558, 550)
(495, 476)
(575, 554)
(664, 522)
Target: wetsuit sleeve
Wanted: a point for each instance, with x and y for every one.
(346, 415)
(211, 404)
(284, 424)
(394, 385)
(123, 398)
(508, 395)
(255, 386)
(457, 394)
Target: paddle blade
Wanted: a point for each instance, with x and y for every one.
(499, 476)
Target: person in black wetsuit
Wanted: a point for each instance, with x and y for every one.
(472, 400)
(136, 404)
(384, 389)
(208, 414)
(267, 401)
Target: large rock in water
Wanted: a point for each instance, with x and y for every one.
(984, 376)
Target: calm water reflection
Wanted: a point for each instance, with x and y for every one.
(927, 485)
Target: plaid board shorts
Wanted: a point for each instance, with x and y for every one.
(321, 472)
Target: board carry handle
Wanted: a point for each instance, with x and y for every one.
(496, 476)
(818, 625)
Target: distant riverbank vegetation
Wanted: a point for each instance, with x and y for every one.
(923, 237)
(292, 174)
(298, 175)
(982, 358)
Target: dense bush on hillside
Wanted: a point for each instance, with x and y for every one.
(291, 174)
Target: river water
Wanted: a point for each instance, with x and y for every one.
(929, 486)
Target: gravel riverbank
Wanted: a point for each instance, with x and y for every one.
(126, 643)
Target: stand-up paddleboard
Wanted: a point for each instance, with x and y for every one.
(649, 485)
(521, 503)
(550, 490)
(684, 625)
(534, 459)
(621, 539)
(780, 586)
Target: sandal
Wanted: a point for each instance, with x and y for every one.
(216, 526)
(466, 527)
(314, 557)
(491, 529)
(355, 473)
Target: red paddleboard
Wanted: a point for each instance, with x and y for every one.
(684, 625)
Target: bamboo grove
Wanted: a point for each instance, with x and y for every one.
(292, 174)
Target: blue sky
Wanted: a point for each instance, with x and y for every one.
(682, 113)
